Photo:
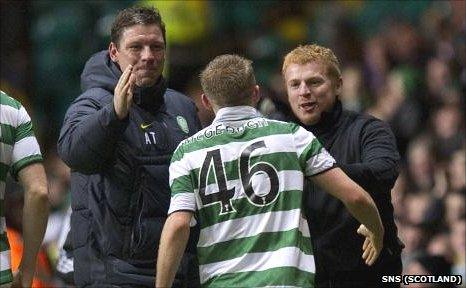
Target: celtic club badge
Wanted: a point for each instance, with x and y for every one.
(182, 123)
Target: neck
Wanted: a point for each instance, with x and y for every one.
(150, 98)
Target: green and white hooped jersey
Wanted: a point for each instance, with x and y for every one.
(18, 148)
(243, 177)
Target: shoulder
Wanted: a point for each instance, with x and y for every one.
(12, 112)
(364, 121)
(95, 96)
(192, 143)
(173, 97)
(9, 101)
(282, 126)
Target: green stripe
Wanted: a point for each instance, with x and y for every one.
(9, 101)
(311, 150)
(23, 163)
(273, 128)
(24, 130)
(181, 184)
(264, 242)
(286, 200)
(6, 276)
(280, 160)
(3, 171)
(4, 242)
(178, 154)
(8, 134)
(281, 276)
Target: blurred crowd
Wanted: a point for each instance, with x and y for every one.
(403, 62)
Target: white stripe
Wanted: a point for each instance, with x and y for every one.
(182, 201)
(12, 116)
(284, 257)
(319, 163)
(23, 116)
(65, 264)
(25, 147)
(5, 259)
(304, 227)
(2, 225)
(302, 138)
(250, 226)
(5, 153)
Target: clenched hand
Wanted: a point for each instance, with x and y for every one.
(123, 97)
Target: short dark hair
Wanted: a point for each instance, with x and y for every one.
(228, 80)
(137, 15)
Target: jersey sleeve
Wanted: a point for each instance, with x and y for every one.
(26, 150)
(182, 190)
(313, 158)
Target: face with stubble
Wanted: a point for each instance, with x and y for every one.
(311, 91)
(143, 47)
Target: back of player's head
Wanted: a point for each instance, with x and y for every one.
(313, 53)
(228, 80)
(137, 15)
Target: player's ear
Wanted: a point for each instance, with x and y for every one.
(255, 97)
(113, 52)
(338, 86)
(206, 102)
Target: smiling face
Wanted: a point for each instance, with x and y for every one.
(142, 46)
(311, 90)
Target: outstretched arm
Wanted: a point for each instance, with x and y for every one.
(360, 205)
(175, 235)
(35, 214)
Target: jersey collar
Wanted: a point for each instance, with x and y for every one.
(236, 113)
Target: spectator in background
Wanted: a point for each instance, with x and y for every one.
(20, 156)
(365, 149)
(424, 264)
(118, 138)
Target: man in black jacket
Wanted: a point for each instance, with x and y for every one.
(365, 149)
(118, 138)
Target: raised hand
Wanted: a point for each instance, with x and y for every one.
(123, 96)
(372, 246)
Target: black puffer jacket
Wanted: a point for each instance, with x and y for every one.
(119, 181)
(365, 149)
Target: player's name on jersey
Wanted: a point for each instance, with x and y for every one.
(221, 128)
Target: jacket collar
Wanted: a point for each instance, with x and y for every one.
(236, 113)
(328, 120)
(150, 98)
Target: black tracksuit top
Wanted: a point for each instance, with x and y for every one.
(365, 149)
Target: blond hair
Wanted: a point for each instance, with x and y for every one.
(228, 80)
(313, 53)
